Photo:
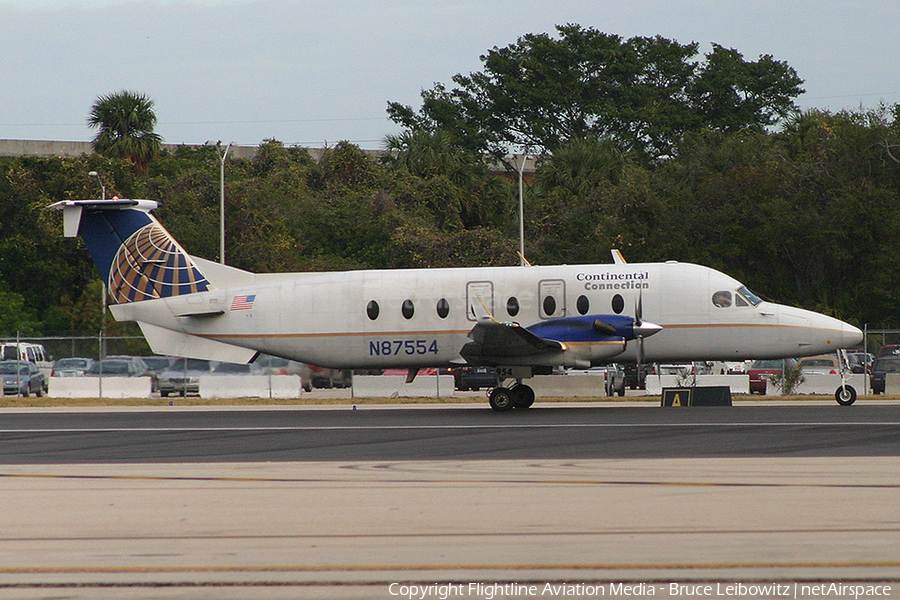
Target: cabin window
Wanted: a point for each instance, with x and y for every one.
(408, 309)
(722, 299)
(549, 305)
(443, 308)
(372, 310)
(512, 306)
(583, 305)
(618, 304)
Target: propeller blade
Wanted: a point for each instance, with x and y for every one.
(639, 310)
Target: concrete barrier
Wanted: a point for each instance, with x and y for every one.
(892, 383)
(568, 386)
(820, 383)
(250, 386)
(395, 386)
(739, 384)
(95, 387)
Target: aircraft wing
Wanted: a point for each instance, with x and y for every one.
(492, 340)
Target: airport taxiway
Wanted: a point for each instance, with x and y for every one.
(335, 503)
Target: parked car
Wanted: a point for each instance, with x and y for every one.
(21, 378)
(320, 377)
(860, 362)
(762, 370)
(613, 377)
(889, 350)
(615, 380)
(33, 353)
(230, 368)
(115, 367)
(138, 361)
(273, 365)
(682, 370)
(71, 367)
(725, 368)
(474, 378)
(157, 364)
(182, 378)
(883, 366)
(826, 364)
(636, 378)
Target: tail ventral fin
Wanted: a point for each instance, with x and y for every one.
(136, 256)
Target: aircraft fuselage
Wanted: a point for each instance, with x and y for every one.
(423, 317)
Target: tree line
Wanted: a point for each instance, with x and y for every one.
(665, 156)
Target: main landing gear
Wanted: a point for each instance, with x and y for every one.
(503, 399)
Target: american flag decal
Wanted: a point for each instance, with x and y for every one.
(244, 302)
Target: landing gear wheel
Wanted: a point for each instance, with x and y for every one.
(845, 395)
(502, 400)
(524, 396)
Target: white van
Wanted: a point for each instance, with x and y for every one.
(33, 353)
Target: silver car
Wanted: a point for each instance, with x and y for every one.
(21, 378)
(71, 367)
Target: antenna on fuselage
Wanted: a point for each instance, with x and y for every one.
(617, 257)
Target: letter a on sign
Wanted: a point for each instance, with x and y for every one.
(676, 401)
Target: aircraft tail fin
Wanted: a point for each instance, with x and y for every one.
(136, 256)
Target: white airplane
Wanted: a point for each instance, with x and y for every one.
(522, 320)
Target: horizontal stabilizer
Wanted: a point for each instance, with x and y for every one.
(174, 343)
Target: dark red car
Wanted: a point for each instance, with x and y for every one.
(761, 368)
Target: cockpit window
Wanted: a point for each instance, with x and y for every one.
(739, 300)
(722, 299)
(750, 296)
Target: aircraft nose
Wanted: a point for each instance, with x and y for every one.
(850, 336)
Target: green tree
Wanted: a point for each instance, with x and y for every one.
(589, 198)
(16, 316)
(125, 123)
(450, 181)
(644, 93)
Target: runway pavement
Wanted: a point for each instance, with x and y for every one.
(337, 503)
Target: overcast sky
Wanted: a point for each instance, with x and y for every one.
(311, 72)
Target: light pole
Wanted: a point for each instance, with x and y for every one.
(100, 181)
(521, 169)
(101, 350)
(222, 156)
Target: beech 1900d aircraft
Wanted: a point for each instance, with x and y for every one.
(522, 320)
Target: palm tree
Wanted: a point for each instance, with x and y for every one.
(125, 121)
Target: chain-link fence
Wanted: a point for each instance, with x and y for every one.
(87, 346)
(876, 338)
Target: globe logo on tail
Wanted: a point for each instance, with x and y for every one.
(150, 264)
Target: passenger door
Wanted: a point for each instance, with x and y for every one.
(552, 298)
(479, 299)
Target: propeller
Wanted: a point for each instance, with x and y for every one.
(642, 328)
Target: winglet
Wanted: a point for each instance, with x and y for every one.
(617, 257)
